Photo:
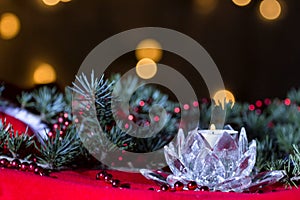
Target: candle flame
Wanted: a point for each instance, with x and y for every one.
(212, 127)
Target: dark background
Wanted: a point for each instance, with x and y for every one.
(256, 58)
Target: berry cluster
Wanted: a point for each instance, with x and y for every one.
(179, 186)
(63, 121)
(23, 166)
(108, 178)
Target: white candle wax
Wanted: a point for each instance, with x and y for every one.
(213, 135)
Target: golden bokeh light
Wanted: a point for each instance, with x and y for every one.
(223, 97)
(65, 0)
(205, 6)
(241, 2)
(44, 74)
(9, 26)
(149, 48)
(270, 9)
(51, 2)
(146, 68)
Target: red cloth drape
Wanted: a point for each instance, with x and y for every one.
(83, 185)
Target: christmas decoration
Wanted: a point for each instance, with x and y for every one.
(51, 140)
(23, 166)
(54, 142)
(108, 178)
(226, 166)
(178, 186)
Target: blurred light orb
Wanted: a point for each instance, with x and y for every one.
(146, 68)
(241, 2)
(44, 74)
(270, 9)
(149, 48)
(205, 6)
(65, 0)
(222, 97)
(9, 25)
(51, 2)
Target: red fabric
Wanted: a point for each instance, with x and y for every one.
(82, 185)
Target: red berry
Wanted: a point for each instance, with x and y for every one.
(164, 187)
(192, 185)
(14, 164)
(32, 166)
(42, 172)
(115, 183)
(204, 188)
(108, 178)
(4, 162)
(24, 166)
(178, 186)
(101, 175)
(38, 170)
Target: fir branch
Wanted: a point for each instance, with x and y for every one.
(25, 100)
(68, 102)
(3, 134)
(57, 152)
(294, 95)
(18, 143)
(94, 89)
(295, 161)
(265, 152)
(95, 92)
(49, 102)
(120, 139)
(255, 124)
(287, 136)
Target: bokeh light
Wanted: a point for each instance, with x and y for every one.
(195, 103)
(44, 74)
(9, 26)
(222, 97)
(146, 68)
(51, 2)
(205, 6)
(258, 103)
(270, 9)
(65, 0)
(251, 107)
(177, 110)
(156, 118)
(149, 48)
(241, 2)
(287, 102)
(186, 106)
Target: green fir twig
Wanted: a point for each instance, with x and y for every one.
(57, 152)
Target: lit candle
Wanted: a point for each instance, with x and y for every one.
(212, 135)
(220, 102)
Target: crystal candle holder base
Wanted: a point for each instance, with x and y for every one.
(226, 166)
